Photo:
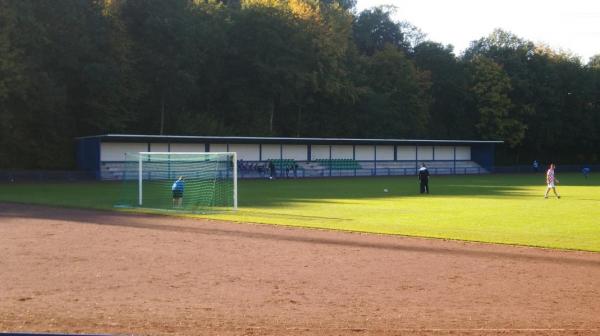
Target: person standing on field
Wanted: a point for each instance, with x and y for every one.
(586, 171)
(177, 189)
(551, 181)
(271, 170)
(424, 178)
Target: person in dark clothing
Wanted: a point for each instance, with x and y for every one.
(424, 178)
(536, 166)
(271, 170)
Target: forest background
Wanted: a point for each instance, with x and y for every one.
(292, 68)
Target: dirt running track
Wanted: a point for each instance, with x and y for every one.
(83, 271)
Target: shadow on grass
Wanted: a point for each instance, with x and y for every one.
(308, 236)
(281, 193)
(278, 193)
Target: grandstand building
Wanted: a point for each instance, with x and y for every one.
(105, 155)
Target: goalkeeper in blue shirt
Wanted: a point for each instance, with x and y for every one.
(177, 189)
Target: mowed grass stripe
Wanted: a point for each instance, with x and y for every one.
(508, 209)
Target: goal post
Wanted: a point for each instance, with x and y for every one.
(184, 181)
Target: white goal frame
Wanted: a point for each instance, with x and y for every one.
(233, 154)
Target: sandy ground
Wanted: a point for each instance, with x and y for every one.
(77, 271)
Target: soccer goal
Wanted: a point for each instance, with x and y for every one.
(194, 182)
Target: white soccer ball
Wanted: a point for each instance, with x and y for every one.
(270, 177)
(385, 190)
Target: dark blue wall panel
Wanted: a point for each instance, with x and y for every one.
(483, 154)
(88, 154)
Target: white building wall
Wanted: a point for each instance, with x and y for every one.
(159, 147)
(187, 147)
(271, 152)
(342, 152)
(365, 153)
(246, 152)
(218, 147)
(463, 153)
(115, 151)
(295, 152)
(444, 153)
(425, 153)
(385, 153)
(319, 152)
(406, 153)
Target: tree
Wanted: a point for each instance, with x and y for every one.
(276, 67)
(397, 105)
(374, 29)
(11, 83)
(262, 69)
(594, 62)
(516, 56)
(166, 57)
(413, 36)
(448, 111)
(69, 79)
(490, 87)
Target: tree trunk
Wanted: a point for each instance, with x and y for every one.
(299, 122)
(162, 114)
(271, 115)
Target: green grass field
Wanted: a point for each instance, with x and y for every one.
(507, 209)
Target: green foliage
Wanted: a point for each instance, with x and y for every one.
(551, 95)
(70, 81)
(594, 62)
(397, 96)
(11, 81)
(490, 86)
(449, 116)
(276, 67)
(374, 29)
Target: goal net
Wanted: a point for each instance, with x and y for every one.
(193, 182)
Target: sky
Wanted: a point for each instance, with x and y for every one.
(572, 25)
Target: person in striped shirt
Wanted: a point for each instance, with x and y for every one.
(551, 181)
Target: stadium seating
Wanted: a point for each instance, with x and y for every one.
(435, 167)
(339, 164)
(283, 164)
(113, 170)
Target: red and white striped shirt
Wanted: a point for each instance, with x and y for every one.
(550, 175)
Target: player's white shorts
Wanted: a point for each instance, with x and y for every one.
(551, 185)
